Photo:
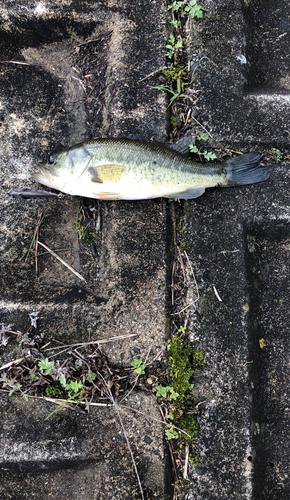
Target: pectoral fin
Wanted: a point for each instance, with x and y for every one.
(189, 194)
(107, 173)
(94, 177)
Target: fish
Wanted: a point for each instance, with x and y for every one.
(125, 169)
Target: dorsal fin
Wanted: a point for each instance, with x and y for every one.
(181, 146)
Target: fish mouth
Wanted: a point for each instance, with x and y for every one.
(44, 176)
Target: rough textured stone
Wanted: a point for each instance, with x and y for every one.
(240, 246)
(241, 65)
(41, 115)
(73, 455)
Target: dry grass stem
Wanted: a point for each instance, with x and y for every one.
(153, 73)
(39, 217)
(153, 418)
(193, 275)
(15, 362)
(172, 284)
(184, 309)
(202, 127)
(15, 62)
(63, 262)
(124, 432)
(182, 265)
(84, 344)
(186, 462)
(170, 448)
(216, 293)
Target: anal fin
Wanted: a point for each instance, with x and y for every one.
(189, 194)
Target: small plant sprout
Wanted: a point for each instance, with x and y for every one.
(171, 433)
(13, 386)
(187, 7)
(62, 380)
(138, 366)
(172, 45)
(74, 386)
(46, 366)
(165, 391)
(209, 156)
(91, 376)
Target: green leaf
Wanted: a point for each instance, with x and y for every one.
(62, 380)
(162, 391)
(91, 376)
(46, 366)
(193, 148)
(171, 433)
(209, 156)
(139, 367)
(75, 386)
(173, 395)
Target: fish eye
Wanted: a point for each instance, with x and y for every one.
(52, 159)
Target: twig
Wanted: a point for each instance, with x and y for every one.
(186, 462)
(181, 262)
(36, 240)
(216, 293)
(15, 62)
(15, 362)
(202, 126)
(100, 39)
(35, 232)
(62, 261)
(124, 432)
(153, 73)
(247, 363)
(84, 344)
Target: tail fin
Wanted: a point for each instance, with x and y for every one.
(245, 169)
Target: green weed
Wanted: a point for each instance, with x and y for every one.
(172, 45)
(139, 367)
(187, 8)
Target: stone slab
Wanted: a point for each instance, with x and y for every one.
(240, 246)
(240, 63)
(73, 455)
(40, 115)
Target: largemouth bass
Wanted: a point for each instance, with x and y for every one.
(123, 169)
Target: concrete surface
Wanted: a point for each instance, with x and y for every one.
(42, 110)
(239, 242)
